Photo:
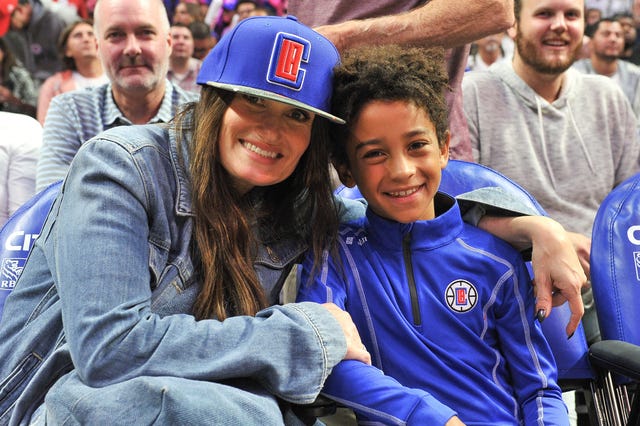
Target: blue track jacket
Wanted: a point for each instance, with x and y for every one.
(447, 312)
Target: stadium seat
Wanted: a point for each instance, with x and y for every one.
(615, 278)
(17, 237)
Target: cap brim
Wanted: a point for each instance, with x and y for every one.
(274, 97)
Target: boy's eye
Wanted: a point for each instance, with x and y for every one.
(372, 154)
(417, 145)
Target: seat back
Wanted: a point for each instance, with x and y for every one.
(17, 237)
(474, 182)
(615, 263)
(615, 279)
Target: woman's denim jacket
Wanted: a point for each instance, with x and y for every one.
(113, 264)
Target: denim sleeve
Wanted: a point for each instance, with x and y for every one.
(98, 251)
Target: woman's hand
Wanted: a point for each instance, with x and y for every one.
(355, 349)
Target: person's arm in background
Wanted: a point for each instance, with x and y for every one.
(442, 23)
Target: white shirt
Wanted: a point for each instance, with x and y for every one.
(19, 150)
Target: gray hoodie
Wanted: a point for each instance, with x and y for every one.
(569, 153)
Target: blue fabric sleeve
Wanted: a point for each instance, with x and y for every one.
(527, 353)
(361, 387)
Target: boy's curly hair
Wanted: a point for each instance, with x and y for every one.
(388, 73)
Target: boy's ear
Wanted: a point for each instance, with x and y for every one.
(344, 174)
(444, 150)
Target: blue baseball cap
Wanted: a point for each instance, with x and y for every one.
(275, 58)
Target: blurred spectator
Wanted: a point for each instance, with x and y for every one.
(134, 46)
(278, 6)
(82, 67)
(631, 51)
(187, 13)
(203, 40)
(19, 149)
(6, 10)
(221, 14)
(485, 52)
(592, 16)
(609, 7)
(607, 42)
(79, 6)
(183, 67)
(263, 10)
(18, 92)
(35, 29)
(243, 10)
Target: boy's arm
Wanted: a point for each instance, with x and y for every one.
(559, 274)
(361, 387)
(367, 391)
(527, 354)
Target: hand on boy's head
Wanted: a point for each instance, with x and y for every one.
(355, 349)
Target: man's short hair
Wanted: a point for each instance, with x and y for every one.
(200, 30)
(591, 30)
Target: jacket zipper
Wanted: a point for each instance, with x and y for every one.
(413, 291)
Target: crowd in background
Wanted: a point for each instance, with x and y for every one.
(49, 47)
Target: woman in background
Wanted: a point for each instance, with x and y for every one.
(18, 92)
(82, 67)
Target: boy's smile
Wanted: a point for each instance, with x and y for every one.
(395, 160)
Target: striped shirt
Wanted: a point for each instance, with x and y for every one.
(75, 117)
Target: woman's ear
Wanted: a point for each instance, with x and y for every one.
(344, 173)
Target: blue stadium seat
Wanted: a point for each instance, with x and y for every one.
(615, 278)
(17, 237)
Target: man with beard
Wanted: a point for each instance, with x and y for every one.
(568, 138)
(183, 67)
(134, 46)
(607, 42)
(443, 23)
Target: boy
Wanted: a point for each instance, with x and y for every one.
(446, 310)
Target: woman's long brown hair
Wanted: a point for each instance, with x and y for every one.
(228, 227)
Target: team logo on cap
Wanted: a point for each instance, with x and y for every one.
(461, 296)
(289, 53)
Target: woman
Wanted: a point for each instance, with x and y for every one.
(18, 92)
(82, 66)
(165, 253)
(167, 224)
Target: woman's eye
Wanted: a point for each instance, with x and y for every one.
(300, 115)
(255, 100)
